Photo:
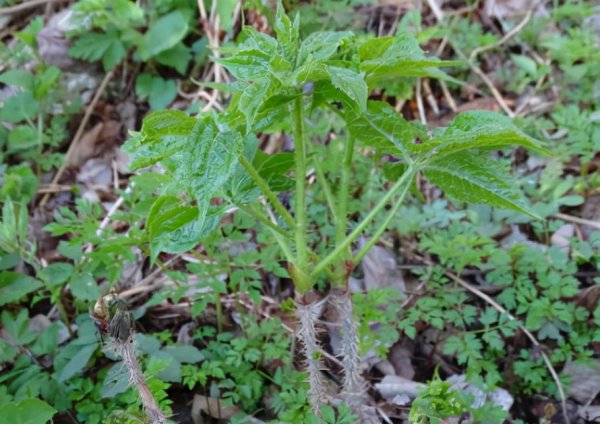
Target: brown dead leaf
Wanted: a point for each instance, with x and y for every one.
(87, 146)
(561, 237)
(509, 8)
(585, 380)
(400, 356)
(392, 386)
(590, 211)
(213, 407)
(381, 270)
(53, 45)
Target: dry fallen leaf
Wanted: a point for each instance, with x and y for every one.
(213, 407)
(393, 385)
(87, 146)
(585, 380)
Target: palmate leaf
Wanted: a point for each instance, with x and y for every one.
(399, 56)
(476, 178)
(199, 155)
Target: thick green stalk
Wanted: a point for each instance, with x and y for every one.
(341, 222)
(392, 213)
(326, 187)
(342, 211)
(266, 190)
(300, 210)
(262, 218)
(350, 238)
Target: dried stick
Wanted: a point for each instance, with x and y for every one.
(25, 6)
(577, 220)
(420, 106)
(510, 34)
(529, 335)
(78, 134)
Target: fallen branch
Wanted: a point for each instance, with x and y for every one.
(26, 6)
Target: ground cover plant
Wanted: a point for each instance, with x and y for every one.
(295, 212)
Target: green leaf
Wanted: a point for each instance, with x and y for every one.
(166, 220)
(321, 46)
(28, 411)
(483, 130)
(176, 57)
(19, 107)
(225, 10)
(252, 99)
(56, 273)
(288, 35)
(160, 92)
(72, 360)
(525, 63)
(113, 55)
(84, 287)
(45, 81)
(400, 56)
(163, 134)
(18, 78)
(17, 327)
(94, 46)
(386, 130)
(20, 182)
(351, 84)
(184, 354)
(15, 286)
(476, 178)
(164, 34)
(23, 137)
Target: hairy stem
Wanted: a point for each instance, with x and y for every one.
(300, 207)
(353, 389)
(266, 190)
(350, 238)
(136, 377)
(308, 315)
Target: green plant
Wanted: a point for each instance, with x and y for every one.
(280, 84)
(36, 113)
(439, 400)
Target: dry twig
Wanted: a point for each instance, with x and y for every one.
(78, 134)
(26, 5)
